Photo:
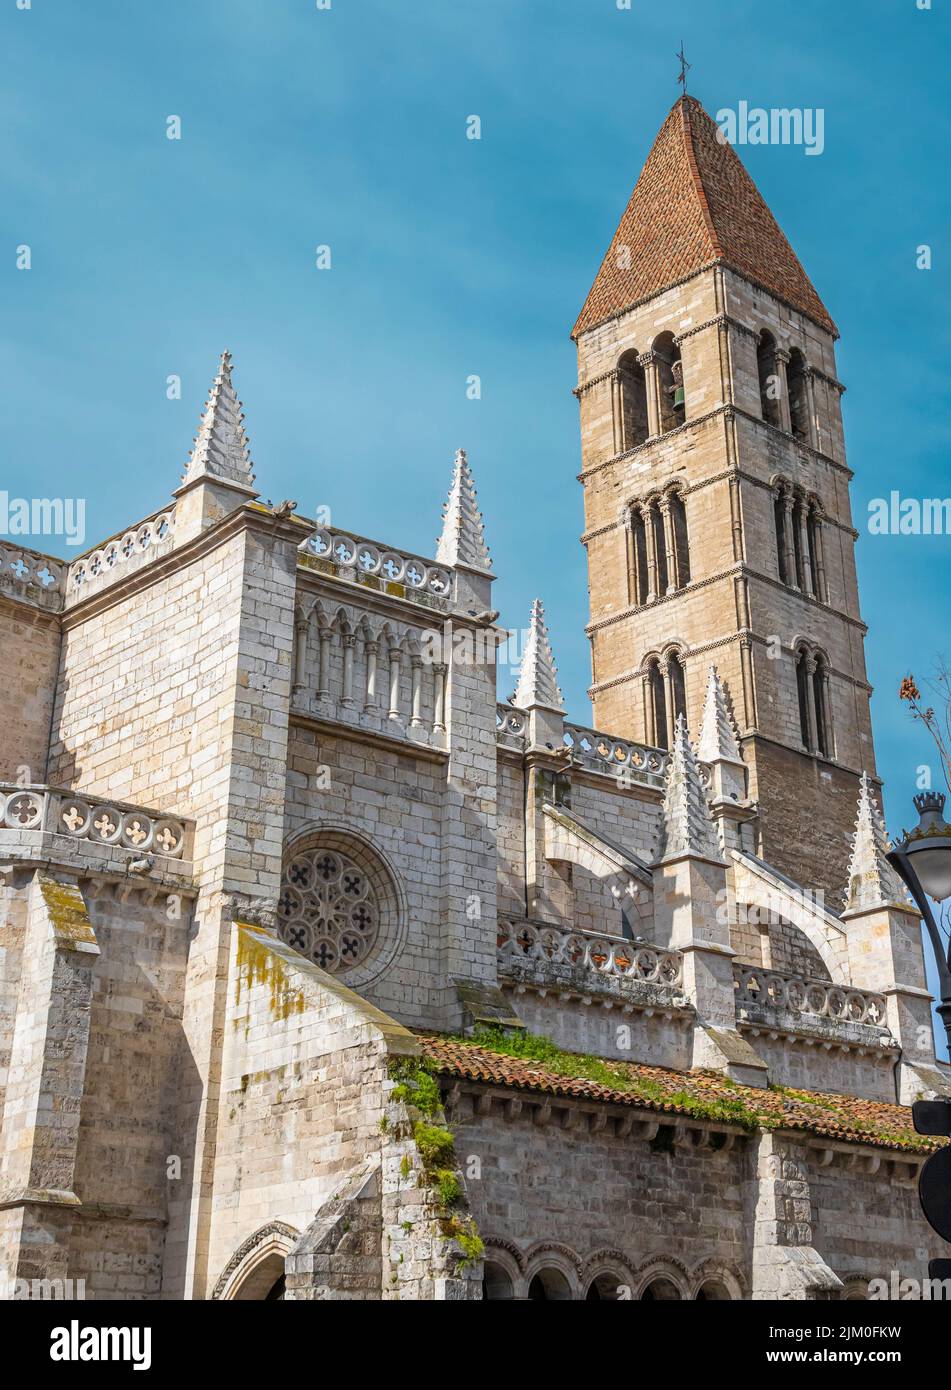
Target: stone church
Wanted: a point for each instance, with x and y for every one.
(326, 975)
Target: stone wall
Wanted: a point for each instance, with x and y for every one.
(30, 641)
(736, 610)
(571, 1193)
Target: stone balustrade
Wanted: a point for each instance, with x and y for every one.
(376, 566)
(615, 757)
(510, 726)
(764, 993)
(28, 575)
(111, 823)
(598, 953)
(149, 539)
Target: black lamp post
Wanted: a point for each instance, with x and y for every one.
(923, 860)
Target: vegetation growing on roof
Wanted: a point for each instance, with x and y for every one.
(775, 1107)
(417, 1087)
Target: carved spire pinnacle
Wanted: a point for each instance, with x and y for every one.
(221, 449)
(537, 675)
(872, 880)
(463, 537)
(718, 735)
(686, 827)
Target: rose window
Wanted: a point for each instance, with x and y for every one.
(328, 909)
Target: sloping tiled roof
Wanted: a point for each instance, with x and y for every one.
(833, 1117)
(694, 204)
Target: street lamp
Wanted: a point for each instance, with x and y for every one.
(923, 860)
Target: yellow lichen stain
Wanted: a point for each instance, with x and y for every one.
(312, 562)
(257, 964)
(66, 910)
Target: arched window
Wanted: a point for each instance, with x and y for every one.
(670, 382)
(769, 379)
(632, 394)
(798, 395)
(678, 685)
(665, 697)
(802, 688)
(660, 549)
(656, 710)
(640, 574)
(678, 516)
(660, 556)
(815, 702)
(816, 561)
(820, 692)
(783, 520)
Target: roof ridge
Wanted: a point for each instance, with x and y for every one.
(685, 109)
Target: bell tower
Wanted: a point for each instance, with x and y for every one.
(717, 518)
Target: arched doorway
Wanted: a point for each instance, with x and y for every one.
(264, 1283)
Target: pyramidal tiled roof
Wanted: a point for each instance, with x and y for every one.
(694, 204)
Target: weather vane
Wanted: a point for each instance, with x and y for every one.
(684, 68)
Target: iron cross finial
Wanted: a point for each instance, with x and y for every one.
(684, 68)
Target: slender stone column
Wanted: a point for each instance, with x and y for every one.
(323, 680)
(803, 514)
(669, 547)
(647, 704)
(301, 626)
(369, 699)
(825, 695)
(668, 701)
(788, 543)
(650, 540)
(648, 360)
(633, 593)
(416, 718)
(811, 398)
(395, 661)
(785, 418)
(439, 698)
(617, 412)
(823, 593)
(349, 643)
(810, 663)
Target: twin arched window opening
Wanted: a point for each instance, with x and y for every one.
(649, 393)
(815, 701)
(665, 698)
(799, 541)
(660, 555)
(784, 389)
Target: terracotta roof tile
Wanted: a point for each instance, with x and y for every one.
(695, 205)
(834, 1117)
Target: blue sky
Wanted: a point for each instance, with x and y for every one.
(451, 257)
